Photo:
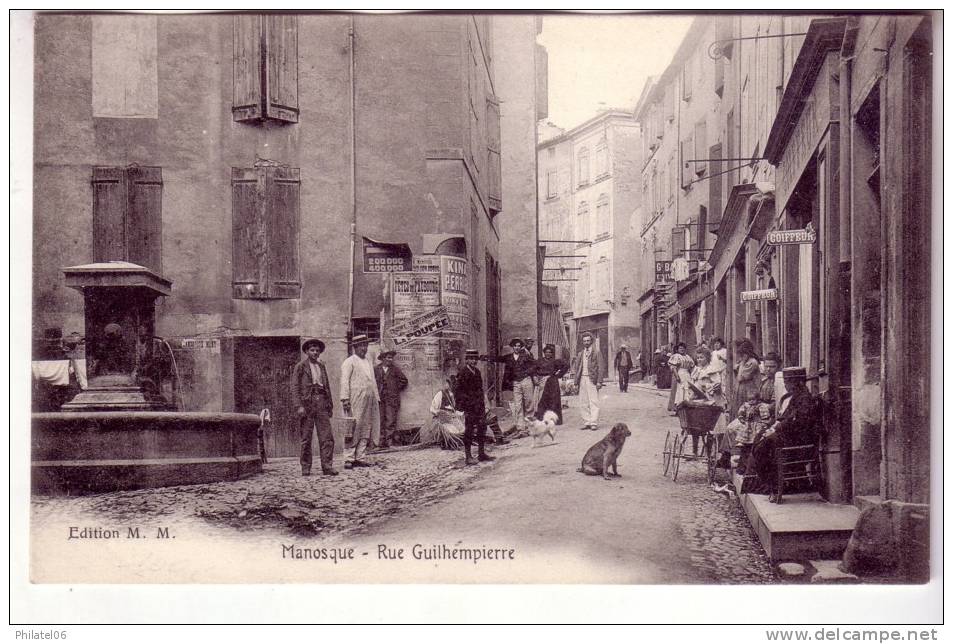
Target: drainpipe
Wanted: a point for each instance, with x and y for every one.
(539, 265)
(353, 180)
(842, 375)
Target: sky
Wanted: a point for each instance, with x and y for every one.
(606, 59)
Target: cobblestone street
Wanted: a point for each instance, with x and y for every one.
(281, 500)
(642, 528)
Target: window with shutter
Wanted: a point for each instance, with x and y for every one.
(701, 147)
(602, 216)
(127, 215)
(688, 79)
(494, 170)
(687, 149)
(698, 241)
(265, 68)
(714, 187)
(678, 242)
(602, 159)
(583, 158)
(265, 232)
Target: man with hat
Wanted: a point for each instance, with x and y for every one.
(799, 419)
(470, 400)
(361, 399)
(589, 371)
(311, 396)
(391, 382)
(518, 369)
(623, 362)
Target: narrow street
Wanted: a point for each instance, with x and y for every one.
(641, 528)
(563, 527)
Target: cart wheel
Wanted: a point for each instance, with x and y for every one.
(667, 452)
(678, 454)
(710, 457)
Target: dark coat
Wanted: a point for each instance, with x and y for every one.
(391, 384)
(469, 392)
(623, 359)
(303, 394)
(517, 369)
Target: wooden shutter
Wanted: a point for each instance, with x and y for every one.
(109, 214)
(494, 178)
(247, 68)
(282, 190)
(542, 83)
(678, 242)
(249, 243)
(144, 217)
(687, 150)
(714, 187)
(265, 232)
(281, 71)
(701, 147)
(698, 232)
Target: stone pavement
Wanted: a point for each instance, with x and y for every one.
(569, 528)
(281, 499)
(722, 544)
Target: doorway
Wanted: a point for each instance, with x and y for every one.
(263, 367)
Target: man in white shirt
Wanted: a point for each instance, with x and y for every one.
(589, 373)
(361, 399)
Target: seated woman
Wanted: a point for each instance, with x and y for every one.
(446, 423)
(798, 423)
(548, 371)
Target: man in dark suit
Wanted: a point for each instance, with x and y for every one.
(391, 382)
(471, 401)
(623, 362)
(311, 396)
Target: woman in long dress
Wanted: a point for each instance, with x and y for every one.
(681, 365)
(549, 370)
(747, 372)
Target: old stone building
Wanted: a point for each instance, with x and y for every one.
(278, 169)
(817, 147)
(588, 179)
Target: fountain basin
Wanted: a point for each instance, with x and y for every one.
(86, 452)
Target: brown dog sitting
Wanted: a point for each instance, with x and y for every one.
(605, 453)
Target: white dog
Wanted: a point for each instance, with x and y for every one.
(544, 427)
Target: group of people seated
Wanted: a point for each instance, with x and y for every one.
(766, 418)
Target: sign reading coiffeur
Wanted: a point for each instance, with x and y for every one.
(807, 235)
(757, 296)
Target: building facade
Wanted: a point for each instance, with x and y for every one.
(588, 178)
(816, 169)
(280, 170)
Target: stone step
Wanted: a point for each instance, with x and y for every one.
(803, 527)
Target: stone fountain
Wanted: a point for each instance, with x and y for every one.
(121, 432)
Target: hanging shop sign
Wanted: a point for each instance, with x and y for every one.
(807, 235)
(386, 258)
(663, 271)
(420, 326)
(760, 295)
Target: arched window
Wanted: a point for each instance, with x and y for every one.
(602, 159)
(602, 215)
(583, 165)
